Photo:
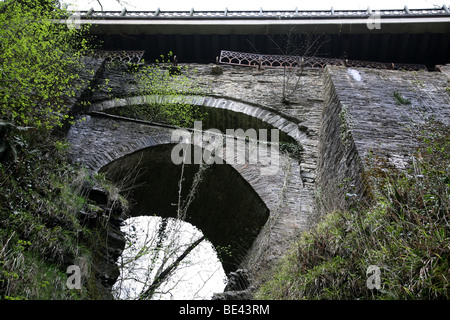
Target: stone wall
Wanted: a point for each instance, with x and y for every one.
(241, 88)
(89, 75)
(338, 159)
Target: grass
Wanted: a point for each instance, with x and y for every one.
(405, 232)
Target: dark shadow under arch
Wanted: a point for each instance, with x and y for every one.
(226, 208)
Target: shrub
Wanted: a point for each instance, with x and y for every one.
(168, 89)
(39, 63)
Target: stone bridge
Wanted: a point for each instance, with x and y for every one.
(243, 200)
(337, 116)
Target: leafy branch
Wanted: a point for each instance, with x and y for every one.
(40, 64)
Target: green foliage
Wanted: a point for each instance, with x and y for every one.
(42, 197)
(399, 99)
(294, 149)
(9, 140)
(41, 232)
(39, 63)
(405, 232)
(170, 89)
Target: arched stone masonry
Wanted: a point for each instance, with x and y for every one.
(287, 195)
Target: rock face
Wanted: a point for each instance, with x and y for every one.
(338, 116)
(104, 217)
(238, 287)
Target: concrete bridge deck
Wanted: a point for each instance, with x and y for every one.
(266, 21)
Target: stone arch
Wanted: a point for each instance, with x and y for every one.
(287, 125)
(102, 140)
(226, 208)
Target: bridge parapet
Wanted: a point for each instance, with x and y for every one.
(265, 14)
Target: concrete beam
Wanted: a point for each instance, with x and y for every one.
(332, 21)
(271, 26)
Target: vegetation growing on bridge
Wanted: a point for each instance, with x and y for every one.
(171, 87)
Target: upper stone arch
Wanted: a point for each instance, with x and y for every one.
(284, 123)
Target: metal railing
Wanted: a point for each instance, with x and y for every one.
(134, 56)
(281, 61)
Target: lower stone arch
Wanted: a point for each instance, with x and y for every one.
(226, 208)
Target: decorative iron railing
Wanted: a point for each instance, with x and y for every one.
(122, 56)
(281, 61)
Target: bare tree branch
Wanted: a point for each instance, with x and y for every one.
(162, 277)
(291, 77)
(100, 4)
(121, 2)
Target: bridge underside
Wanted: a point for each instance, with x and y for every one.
(425, 48)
